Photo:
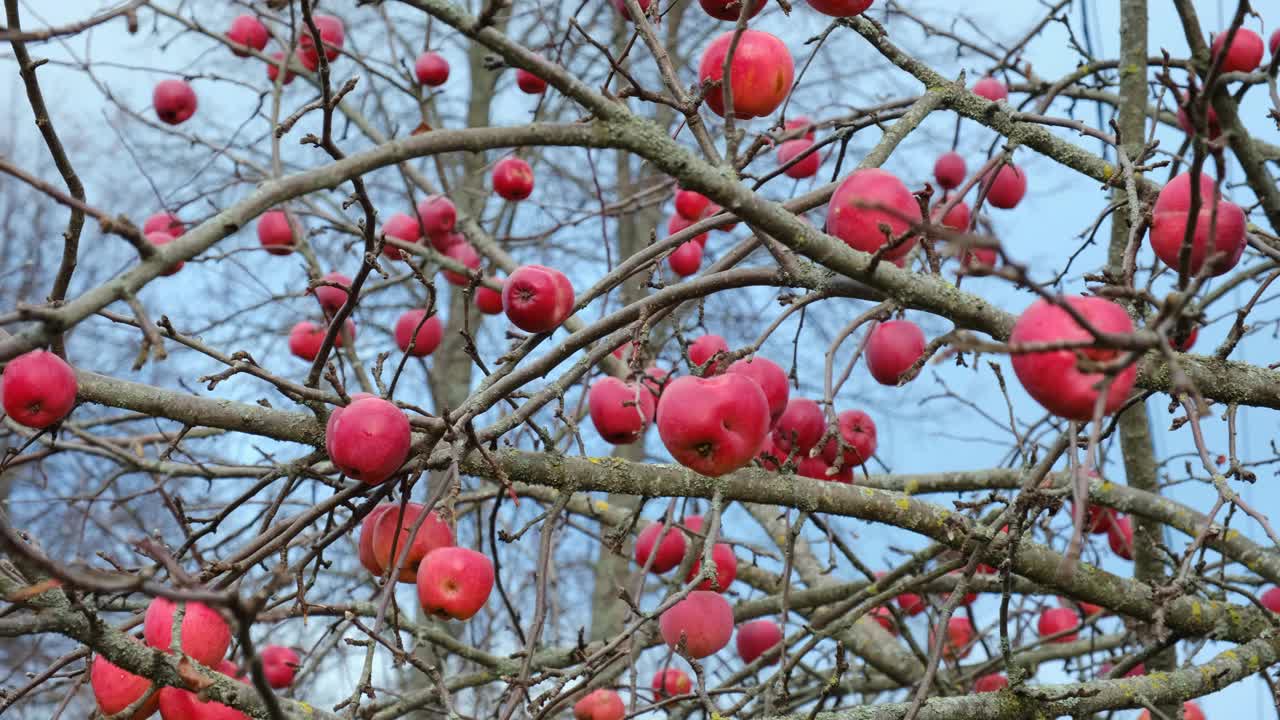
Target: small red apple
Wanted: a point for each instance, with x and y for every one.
(1052, 377)
(205, 635)
(1097, 519)
(655, 379)
(859, 434)
(248, 31)
(431, 69)
(601, 704)
(512, 178)
(384, 535)
(444, 241)
(160, 239)
(529, 83)
(801, 426)
(703, 619)
(115, 689)
(1185, 343)
(1171, 216)
(772, 381)
(620, 411)
(840, 8)
(332, 298)
(1188, 127)
(537, 299)
(425, 335)
(401, 227)
(791, 149)
(959, 640)
(306, 338)
(686, 259)
(1245, 53)
(179, 704)
(621, 7)
(893, 347)
(1190, 711)
(670, 551)
(726, 569)
(1120, 537)
(730, 9)
(1275, 42)
(332, 34)
(454, 582)
(957, 218)
(713, 425)
(761, 73)
(671, 682)
(275, 233)
(692, 205)
(1007, 187)
(369, 439)
(801, 123)
(854, 213)
(702, 350)
(489, 300)
(38, 389)
(757, 637)
(465, 253)
(1271, 599)
(273, 68)
(174, 100)
(949, 170)
(991, 89)
(679, 222)
(279, 664)
(438, 217)
(164, 222)
(995, 682)
(1055, 620)
(1087, 609)
(884, 618)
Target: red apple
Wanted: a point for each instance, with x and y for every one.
(840, 8)
(160, 239)
(621, 7)
(884, 618)
(1184, 119)
(1120, 537)
(179, 704)
(949, 170)
(980, 258)
(771, 379)
(1087, 609)
(957, 218)
(164, 222)
(691, 205)
(801, 122)
(959, 640)
(465, 253)
(228, 668)
(703, 619)
(726, 569)
(758, 637)
(1271, 599)
(454, 582)
(1186, 342)
(1055, 620)
(1052, 377)
(512, 178)
(679, 222)
(859, 434)
(671, 682)
(968, 598)
(332, 34)
(369, 440)
(670, 551)
(714, 210)
(806, 168)
(425, 335)
(911, 604)
(1275, 42)
(601, 704)
(273, 68)
(761, 73)
(489, 300)
(713, 425)
(332, 298)
(115, 689)
(38, 389)
(174, 100)
(686, 259)
(854, 213)
(801, 426)
(384, 535)
(1097, 519)
(537, 298)
(438, 217)
(730, 9)
(991, 89)
(620, 411)
(248, 31)
(1171, 216)
(1190, 711)
(995, 682)
(305, 340)
(655, 379)
(529, 83)
(275, 233)
(893, 347)
(431, 69)
(401, 227)
(1245, 53)
(1007, 187)
(279, 664)
(702, 350)
(205, 635)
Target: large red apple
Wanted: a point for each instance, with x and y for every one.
(279, 664)
(248, 31)
(855, 216)
(454, 582)
(401, 227)
(840, 8)
(991, 89)
(761, 73)
(166, 223)
(115, 689)
(670, 551)
(670, 682)
(806, 168)
(332, 34)
(1271, 599)
(1052, 377)
(275, 233)
(529, 83)
(38, 389)
(333, 297)
(384, 535)
(1171, 216)
(488, 300)
(703, 349)
(772, 381)
(1190, 711)
(512, 178)
(205, 635)
(425, 335)
(726, 569)
(713, 425)
(437, 216)
(1245, 53)
(1120, 537)
(465, 253)
(1007, 187)
(801, 426)
(949, 170)
(730, 9)
(757, 637)
(703, 619)
(160, 239)
(692, 205)
(995, 682)
(678, 222)
(601, 704)
(893, 347)
(620, 411)
(1058, 619)
(368, 440)
(174, 100)
(431, 69)
(959, 640)
(537, 299)
(859, 434)
(179, 704)
(686, 259)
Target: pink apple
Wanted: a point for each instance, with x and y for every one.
(529, 83)
(1188, 127)
(840, 8)
(991, 89)
(537, 299)
(438, 217)
(911, 604)
(761, 73)
(730, 9)
(465, 253)
(454, 582)
(1171, 216)
(166, 223)
(757, 637)
(248, 31)
(1052, 377)
(670, 551)
(275, 233)
(332, 34)
(703, 619)
(959, 642)
(855, 216)
(601, 704)
(994, 682)
(489, 300)
(884, 618)
(279, 664)
(160, 239)
(1245, 53)
(512, 178)
(384, 535)
(957, 218)
(369, 440)
(174, 100)
(401, 227)
(892, 349)
(115, 689)
(686, 259)
(1120, 537)
(1190, 711)
(678, 222)
(771, 379)
(655, 379)
(1275, 42)
(423, 334)
(713, 425)
(205, 635)
(1271, 599)
(806, 168)
(859, 435)
(1055, 620)
(949, 170)
(431, 69)
(704, 349)
(801, 123)
(273, 68)
(621, 7)
(38, 389)
(974, 258)
(333, 297)
(306, 338)
(691, 205)
(1185, 343)
(726, 569)
(620, 411)
(1007, 187)
(801, 426)
(179, 704)
(1087, 609)
(671, 682)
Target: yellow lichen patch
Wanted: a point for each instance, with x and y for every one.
(1108, 171)
(1196, 611)
(912, 486)
(602, 506)
(903, 503)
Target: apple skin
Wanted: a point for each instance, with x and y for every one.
(757, 637)
(1087, 609)
(911, 604)
(1275, 42)
(431, 69)
(1271, 599)
(991, 89)
(686, 259)
(678, 222)
(702, 350)
(369, 440)
(454, 582)
(529, 83)
(841, 8)
(859, 227)
(332, 298)
(670, 551)
(1007, 187)
(1170, 217)
(1245, 53)
(1187, 342)
(729, 10)
(38, 389)
(248, 31)
(949, 170)
(801, 425)
(488, 300)
(537, 298)
(893, 347)
(600, 704)
(995, 682)
(174, 100)
(512, 178)
(382, 538)
(401, 227)
(959, 642)
(275, 233)
(205, 635)
(428, 333)
(703, 618)
(772, 381)
(115, 689)
(761, 73)
(1120, 537)
(859, 433)
(671, 682)
(279, 664)
(691, 205)
(884, 618)
(726, 569)
(466, 254)
(273, 68)
(1184, 119)
(1052, 378)
(957, 218)
(713, 425)
(160, 239)
(800, 122)
(621, 7)
(620, 411)
(306, 338)
(332, 34)
(166, 223)
(179, 704)
(806, 168)
(1056, 620)
(438, 217)
(1190, 711)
